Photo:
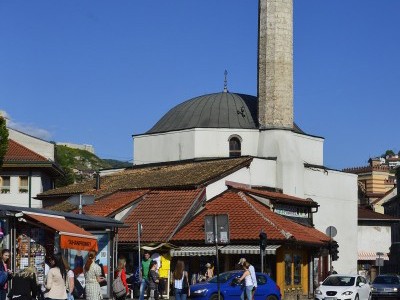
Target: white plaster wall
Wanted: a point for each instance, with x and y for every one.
(289, 164)
(311, 149)
(374, 238)
(336, 193)
(37, 145)
(215, 142)
(163, 147)
(22, 199)
(191, 143)
(260, 172)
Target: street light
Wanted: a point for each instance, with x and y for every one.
(379, 261)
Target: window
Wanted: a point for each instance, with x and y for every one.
(235, 147)
(288, 269)
(5, 184)
(23, 184)
(297, 269)
(261, 279)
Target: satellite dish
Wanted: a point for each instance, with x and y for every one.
(331, 231)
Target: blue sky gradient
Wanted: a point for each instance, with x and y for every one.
(96, 72)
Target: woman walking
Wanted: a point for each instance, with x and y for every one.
(122, 272)
(55, 283)
(92, 278)
(24, 285)
(70, 279)
(5, 256)
(248, 282)
(181, 281)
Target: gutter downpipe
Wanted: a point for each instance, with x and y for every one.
(30, 189)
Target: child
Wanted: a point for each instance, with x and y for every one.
(153, 280)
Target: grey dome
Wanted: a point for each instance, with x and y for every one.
(219, 110)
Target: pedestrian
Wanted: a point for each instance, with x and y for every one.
(252, 274)
(120, 271)
(181, 281)
(209, 271)
(154, 279)
(163, 271)
(246, 276)
(55, 282)
(5, 256)
(92, 278)
(24, 286)
(145, 267)
(70, 279)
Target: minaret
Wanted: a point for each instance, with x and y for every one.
(275, 64)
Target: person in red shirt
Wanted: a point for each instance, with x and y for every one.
(121, 270)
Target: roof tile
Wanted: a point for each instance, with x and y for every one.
(19, 153)
(247, 217)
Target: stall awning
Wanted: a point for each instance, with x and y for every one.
(194, 251)
(229, 249)
(368, 255)
(248, 249)
(71, 236)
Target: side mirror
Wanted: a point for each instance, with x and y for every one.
(320, 282)
(361, 284)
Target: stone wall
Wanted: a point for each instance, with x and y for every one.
(275, 64)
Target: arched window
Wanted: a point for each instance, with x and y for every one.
(235, 147)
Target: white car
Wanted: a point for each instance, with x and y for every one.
(343, 287)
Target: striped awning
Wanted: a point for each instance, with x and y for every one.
(248, 249)
(368, 255)
(229, 249)
(194, 251)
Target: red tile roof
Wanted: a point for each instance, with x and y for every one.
(180, 175)
(368, 214)
(111, 204)
(247, 217)
(19, 153)
(278, 197)
(160, 213)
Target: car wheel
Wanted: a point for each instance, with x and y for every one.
(357, 298)
(215, 297)
(271, 297)
(370, 296)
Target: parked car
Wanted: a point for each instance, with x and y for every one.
(386, 286)
(230, 289)
(340, 286)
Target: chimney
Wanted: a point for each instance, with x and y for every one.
(275, 64)
(98, 182)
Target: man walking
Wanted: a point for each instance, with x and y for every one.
(145, 267)
(252, 274)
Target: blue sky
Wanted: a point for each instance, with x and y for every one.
(96, 72)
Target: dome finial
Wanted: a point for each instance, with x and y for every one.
(226, 82)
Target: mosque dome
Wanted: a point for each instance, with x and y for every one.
(218, 110)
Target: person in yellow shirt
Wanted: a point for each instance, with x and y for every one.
(163, 271)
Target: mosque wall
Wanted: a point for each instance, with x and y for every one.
(336, 193)
(214, 142)
(260, 173)
(163, 147)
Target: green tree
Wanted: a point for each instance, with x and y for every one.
(3, 139)
(388, 153)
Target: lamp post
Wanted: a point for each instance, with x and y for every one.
(379, 261)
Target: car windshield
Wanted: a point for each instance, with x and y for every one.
(386, 280)
(339, 281)
(223, 277)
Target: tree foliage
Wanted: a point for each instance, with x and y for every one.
(3, 139)
(388, 153)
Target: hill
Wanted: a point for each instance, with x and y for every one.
(80, 165)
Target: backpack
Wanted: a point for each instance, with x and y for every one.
(3, 278)
(118, 287)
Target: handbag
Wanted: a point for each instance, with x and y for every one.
(118, 286)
